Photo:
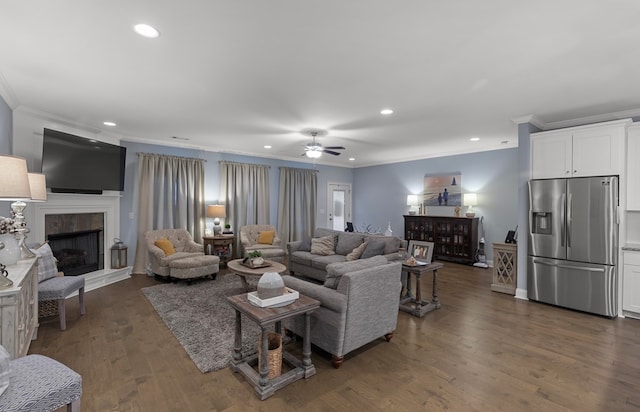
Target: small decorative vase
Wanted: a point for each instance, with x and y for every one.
(10, 254)
(270, 285)
(257, 261)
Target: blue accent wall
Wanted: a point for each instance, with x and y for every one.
(380, 192)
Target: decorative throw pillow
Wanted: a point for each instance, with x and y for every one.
(5, 369)
(165, 245)
(323, 245)
(47, 265)
(357, 252)
(374, 247)
(266, 237)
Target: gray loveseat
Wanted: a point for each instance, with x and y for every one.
(358, 304)
(304, 263)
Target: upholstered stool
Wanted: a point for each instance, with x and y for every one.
(58, 288)
(38, 383)
(194, 267)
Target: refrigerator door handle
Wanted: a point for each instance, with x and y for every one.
(569, 218)
(559, 265)
(562, 219)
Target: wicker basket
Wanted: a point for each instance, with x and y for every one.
(274, 354)
(47, 308)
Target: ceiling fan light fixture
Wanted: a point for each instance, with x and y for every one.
(314, 154)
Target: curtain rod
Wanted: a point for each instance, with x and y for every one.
(169, 156)
(299, 168)
(243, 164)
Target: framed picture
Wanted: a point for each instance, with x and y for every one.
(443, 189)
(421, 251)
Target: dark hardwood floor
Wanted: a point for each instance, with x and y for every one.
(481, 351)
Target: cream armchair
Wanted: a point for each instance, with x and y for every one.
(183, 259)
(250, 239)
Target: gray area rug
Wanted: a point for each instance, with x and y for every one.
(202, 320)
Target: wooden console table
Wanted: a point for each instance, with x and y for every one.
(415, 305)
(265, 317)
(221, 246)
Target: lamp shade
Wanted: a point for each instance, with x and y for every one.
(38, 186)
(14, 180)
(470, 199)
(216, 211)
(412, 200)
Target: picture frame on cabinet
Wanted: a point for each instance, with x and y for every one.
(421, 251)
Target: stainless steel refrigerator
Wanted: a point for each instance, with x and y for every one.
(573, 243)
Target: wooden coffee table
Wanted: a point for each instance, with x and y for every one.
(243, 271)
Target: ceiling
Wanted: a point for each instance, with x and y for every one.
(233, 76)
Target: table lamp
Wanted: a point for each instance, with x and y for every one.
(471, 200)
(14, 185)
(412, 200)
(217, 212)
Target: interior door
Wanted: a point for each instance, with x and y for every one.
(339, 205)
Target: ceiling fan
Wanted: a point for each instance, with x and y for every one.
(314, 150)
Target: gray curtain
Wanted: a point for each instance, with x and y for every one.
(297, 203)
(244, 190)
(170, 196)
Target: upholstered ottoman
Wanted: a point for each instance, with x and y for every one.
(39, 383)
(195, 267)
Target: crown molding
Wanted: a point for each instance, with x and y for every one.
(580, 121)
(531, 119)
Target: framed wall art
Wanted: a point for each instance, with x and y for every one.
(442, 189)
(422, 252)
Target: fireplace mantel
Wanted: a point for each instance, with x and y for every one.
(69, 203)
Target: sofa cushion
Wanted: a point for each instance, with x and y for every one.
(305, 244)
(301, 257)
(347, 242)
(323, 246)
(266, 237)
(336, 270)
(374, 247)
(392, 243)
(165, 245)
(356, 252)
(321, 262)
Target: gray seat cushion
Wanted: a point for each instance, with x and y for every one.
(59, 287)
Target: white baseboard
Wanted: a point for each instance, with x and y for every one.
(521, 294)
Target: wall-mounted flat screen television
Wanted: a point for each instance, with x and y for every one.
(74, 164)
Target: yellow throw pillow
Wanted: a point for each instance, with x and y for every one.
(266, 238)
(165, 245)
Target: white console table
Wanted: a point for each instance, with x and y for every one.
(19, 308)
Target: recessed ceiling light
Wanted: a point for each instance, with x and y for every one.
(146, 31)
(474, 139)
(111, 124)
(352, 158)
(267, 146)
(386, 111)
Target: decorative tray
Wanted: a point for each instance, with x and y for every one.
(414, 263)
(249, 265)
(288, 297)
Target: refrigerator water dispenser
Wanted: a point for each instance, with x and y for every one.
(541, 223)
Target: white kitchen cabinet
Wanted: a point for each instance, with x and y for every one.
(19, 308)
(633, 168)
(631, 284)
(593, 150)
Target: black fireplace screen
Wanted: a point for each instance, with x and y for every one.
(77, 252)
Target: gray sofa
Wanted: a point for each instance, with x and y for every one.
(304, 263)
(358, 304)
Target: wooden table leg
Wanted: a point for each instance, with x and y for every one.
(309, 368)
(237, 342)
(264, 355)
(418, 291)
(245, 284)
(435, 300)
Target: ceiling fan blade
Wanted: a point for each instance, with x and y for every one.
(331, 152)
(334, 147)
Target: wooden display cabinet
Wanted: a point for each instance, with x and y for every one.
(455, 238)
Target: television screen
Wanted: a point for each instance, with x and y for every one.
(74, 164)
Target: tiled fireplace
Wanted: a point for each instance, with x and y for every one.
(96, 216)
